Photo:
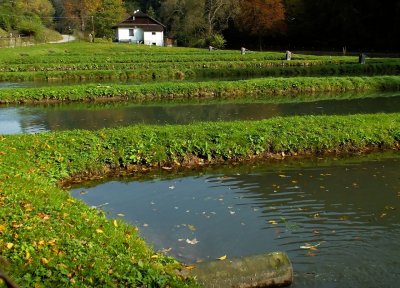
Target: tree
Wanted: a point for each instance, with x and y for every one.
(218, 13)
(42, 8)
(80, 12)
(108, 14)
(195, 22)
(185, 20)
(261, 18)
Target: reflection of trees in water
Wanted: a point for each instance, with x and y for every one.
(365, 188)
(61, 119)
(96, 116)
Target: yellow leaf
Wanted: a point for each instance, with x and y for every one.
(222, 258)
(154, 256)
(115, 223)
(99, 231)
(9, 245)
(273, 222)
(27, 255)
(44, 261)
(190, 267)
(2, 228)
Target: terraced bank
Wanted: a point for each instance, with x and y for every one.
(49, 239)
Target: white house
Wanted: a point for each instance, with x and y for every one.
(140, 28)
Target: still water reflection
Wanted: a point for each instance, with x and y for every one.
(338, 220)
(33, 119)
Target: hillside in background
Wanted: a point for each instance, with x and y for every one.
(351, 25)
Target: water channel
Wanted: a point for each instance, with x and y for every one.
(338, 219)
(42, 118)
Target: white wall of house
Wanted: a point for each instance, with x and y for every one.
(139, 36)
(124, 34)
(154, 38)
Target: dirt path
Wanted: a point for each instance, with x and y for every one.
(65, 38)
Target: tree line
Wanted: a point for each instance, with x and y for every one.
(256, 24)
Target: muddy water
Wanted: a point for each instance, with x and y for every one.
(33, 119)
(338, 219)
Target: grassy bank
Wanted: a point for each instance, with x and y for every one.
(52, 240)
(197, 71)
(262, 88)
(80, 61)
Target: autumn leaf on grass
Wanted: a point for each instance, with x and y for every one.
(99, 231)
(2, 228)
(189, 267)
(115, 223)
(222, 258)
(43, 216)
(9, 245)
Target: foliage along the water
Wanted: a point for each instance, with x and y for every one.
(262, 88)
(52, 240)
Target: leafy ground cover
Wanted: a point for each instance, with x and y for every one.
(52, 240)
(48, 239)
(83, 61)
(262, 87)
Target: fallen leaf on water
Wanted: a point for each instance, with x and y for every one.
(222, 258)
(120, 215)
(191, 227)
(192, 242)
(166, 250)
(310, 254)
(272, 222)
(283, 176)
(310, 246)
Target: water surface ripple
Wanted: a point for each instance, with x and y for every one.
(337, 219)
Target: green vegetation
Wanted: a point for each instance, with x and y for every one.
(52, 240)
(264, 88)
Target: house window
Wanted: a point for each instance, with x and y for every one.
(131, 33)
(153, 33)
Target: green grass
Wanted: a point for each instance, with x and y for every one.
(52, 240)
(98, 61)
(263, 88)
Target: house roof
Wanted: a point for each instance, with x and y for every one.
(141, 20)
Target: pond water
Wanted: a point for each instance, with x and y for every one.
(33, 119)
(338, 219)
